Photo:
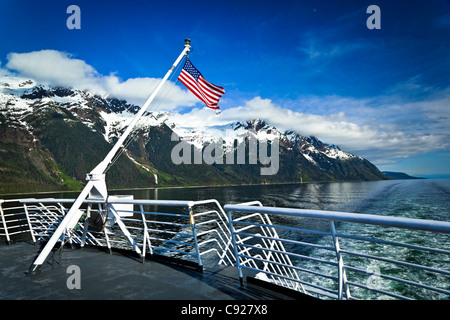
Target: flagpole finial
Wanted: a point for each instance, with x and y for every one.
(187, 43)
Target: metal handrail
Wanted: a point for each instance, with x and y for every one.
(44, 215)
(247, 235)
(342, 255)
(387, 221)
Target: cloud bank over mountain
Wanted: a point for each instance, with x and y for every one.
(382, 129)
(62, 69)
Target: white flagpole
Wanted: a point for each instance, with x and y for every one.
(100, 169)
(96, 178)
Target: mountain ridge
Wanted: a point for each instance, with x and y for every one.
(52, 136)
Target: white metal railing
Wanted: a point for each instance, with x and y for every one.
(189, 230)
(332, 255)
(276, 264)
(14, 221)
(309, 251)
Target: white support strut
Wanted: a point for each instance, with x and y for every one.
(96, 178)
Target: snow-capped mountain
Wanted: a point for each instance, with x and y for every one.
(61, 133)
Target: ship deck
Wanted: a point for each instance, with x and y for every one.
(162, 286)
(120, 275)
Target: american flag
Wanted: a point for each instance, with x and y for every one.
(198, 85)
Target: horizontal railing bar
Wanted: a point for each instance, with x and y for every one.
(185, 235)
(17, 226)
(42, 206)
(393, 243)
(171, 203)
(290, 254)
(287, 278)
(164, 214)
(17, 232)
(8, 213)
(119, 241)
(306, 244)
(47, 212)
(251, 203)
(290, 267)
(43, 223)
(212, 221)
(169, 232)
(207, 201)
(15, 220)
(388, 221)
(379, 291)
(167, 223)
(406, 264)
(281, 227)
(412, 283)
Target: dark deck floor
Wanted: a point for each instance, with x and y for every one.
(115, 276)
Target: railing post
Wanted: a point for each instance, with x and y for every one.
(194, 235)
(146, 236)
(108, 244)
(342, 278)
(86, 225)
(29, 222)
(8, 240)
(235, 247)
(125, 231)
(106, 228)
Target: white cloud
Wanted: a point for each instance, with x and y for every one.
(61, 69)
(54, 68)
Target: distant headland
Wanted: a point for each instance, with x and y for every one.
(399, 175)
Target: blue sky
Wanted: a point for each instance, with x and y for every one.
(310, 66)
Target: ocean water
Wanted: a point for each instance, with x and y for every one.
(424, 199)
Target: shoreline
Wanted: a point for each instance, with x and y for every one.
(170, 187)
(10, 195)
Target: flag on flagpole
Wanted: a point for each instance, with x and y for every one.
(209, 93)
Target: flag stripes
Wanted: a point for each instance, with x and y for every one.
(207, 92)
